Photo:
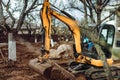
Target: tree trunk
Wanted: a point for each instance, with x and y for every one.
(118, 17)
(1, 14)
(11, 47)
(20, 21)
(98, 18)
(86, 19)
(91, 15)
(104, 60)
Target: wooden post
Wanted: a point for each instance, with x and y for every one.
(11, 47)
(52, 43)
(35, 39)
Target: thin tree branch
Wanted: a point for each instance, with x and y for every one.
(31, 7)
(105, 3)
(10, 14)
(103, 20)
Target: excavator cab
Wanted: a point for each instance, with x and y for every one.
(111, 33)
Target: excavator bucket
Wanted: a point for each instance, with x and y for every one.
(51, 70)
(40, 68)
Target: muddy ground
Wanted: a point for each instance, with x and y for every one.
(19, 70)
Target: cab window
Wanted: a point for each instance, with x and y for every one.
(108, 32)
(117, 43)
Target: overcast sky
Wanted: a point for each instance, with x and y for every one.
(59, 3)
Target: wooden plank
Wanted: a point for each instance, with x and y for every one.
(3, 44)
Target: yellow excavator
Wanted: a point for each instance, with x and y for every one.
(43, 64)
(46, 15)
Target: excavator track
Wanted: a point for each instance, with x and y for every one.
(94, 73)
(99, 73)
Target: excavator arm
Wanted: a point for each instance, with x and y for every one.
(46, 22)
(46, 14)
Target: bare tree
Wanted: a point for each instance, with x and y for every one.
(1, 13)
(24, 12)
(118, 16)
(10, 15)
(99, 42)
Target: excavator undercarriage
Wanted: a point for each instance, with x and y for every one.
(66, 70)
